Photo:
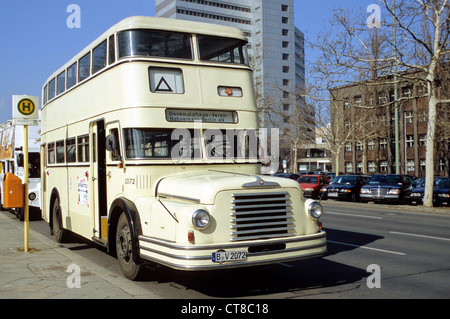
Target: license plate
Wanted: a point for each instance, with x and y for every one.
(225, 256)
(332, 194)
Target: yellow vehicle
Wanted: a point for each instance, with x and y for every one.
(147, 149)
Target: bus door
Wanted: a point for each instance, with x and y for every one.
(114, 162)
(98, 177)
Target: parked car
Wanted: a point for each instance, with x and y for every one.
(312, 184)
(387, 188)
(345, 187)
(441, 192)
(287, 175)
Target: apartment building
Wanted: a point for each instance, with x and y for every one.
(276, 46)
(366, 110)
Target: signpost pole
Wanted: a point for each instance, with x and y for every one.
(25, 112)
(25, 182)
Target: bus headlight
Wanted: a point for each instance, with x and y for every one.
(200, 219)
(32, 196)
(315, 210)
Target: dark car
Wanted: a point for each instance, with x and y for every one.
(441, 192)
(386, 188)
(312, 184)
(345, 187)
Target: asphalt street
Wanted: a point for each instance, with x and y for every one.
(374, 252)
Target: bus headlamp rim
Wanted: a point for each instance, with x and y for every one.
(315, 210)
(201, 219)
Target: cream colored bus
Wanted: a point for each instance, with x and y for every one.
(137, 132)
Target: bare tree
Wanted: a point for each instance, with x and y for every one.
(419, 36)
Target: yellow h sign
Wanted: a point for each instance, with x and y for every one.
(25, 109)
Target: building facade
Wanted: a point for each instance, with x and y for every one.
(366, 112)
(276, 47)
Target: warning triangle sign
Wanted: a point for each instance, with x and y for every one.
(163, 86)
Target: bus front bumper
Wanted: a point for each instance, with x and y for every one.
(243, 254)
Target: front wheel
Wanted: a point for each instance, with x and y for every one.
(124, 250)
(57, 225)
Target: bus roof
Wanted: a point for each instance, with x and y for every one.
(156, 23)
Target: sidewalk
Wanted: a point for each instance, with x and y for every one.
(42, 272)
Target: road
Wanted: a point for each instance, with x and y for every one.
(374, 252)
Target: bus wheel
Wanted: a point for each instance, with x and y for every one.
(124, 249)
(57, 227)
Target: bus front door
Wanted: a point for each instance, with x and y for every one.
(98, 178)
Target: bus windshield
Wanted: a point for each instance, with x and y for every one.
(146, 143)
(226, 50)
(154, 43)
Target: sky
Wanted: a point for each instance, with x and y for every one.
(35, 39)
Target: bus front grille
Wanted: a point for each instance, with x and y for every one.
(261, 216)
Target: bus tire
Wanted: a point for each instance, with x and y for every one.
(124, 250)
(57, 227)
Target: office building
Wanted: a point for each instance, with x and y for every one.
(276, 47)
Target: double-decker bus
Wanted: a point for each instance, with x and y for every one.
(147, 139)
(12, 160)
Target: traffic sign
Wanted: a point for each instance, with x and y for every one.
(25, 107)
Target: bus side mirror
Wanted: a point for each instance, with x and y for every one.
(111, 143)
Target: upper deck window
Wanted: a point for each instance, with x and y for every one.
(153, 43)
(226, 50)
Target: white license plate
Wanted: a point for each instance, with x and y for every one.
(332, 194)
(224, 256)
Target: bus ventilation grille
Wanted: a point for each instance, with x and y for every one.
(261, 216)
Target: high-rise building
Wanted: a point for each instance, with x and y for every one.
(276, 46)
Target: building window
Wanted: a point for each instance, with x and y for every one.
(408, 116)
(422, 115)
(383, 166)
(348, 167)
(383, 144)
(409, 141)
(358, 100)
(423, 140)
(410, 165)
(381, 98)
(441, 165)
(285, 56)
(359, 146)
(371, 145)
(284, 20)
(347, 125)
(423, 165)
(285, 44)
(286, 107)
(359, 167)
(284, 8)
(284, 31)
(372, 167)
(348, 147)
(285, 69)
(346, 105)
(406, 91)
(286, 82)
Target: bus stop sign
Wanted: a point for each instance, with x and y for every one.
(25, 109)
